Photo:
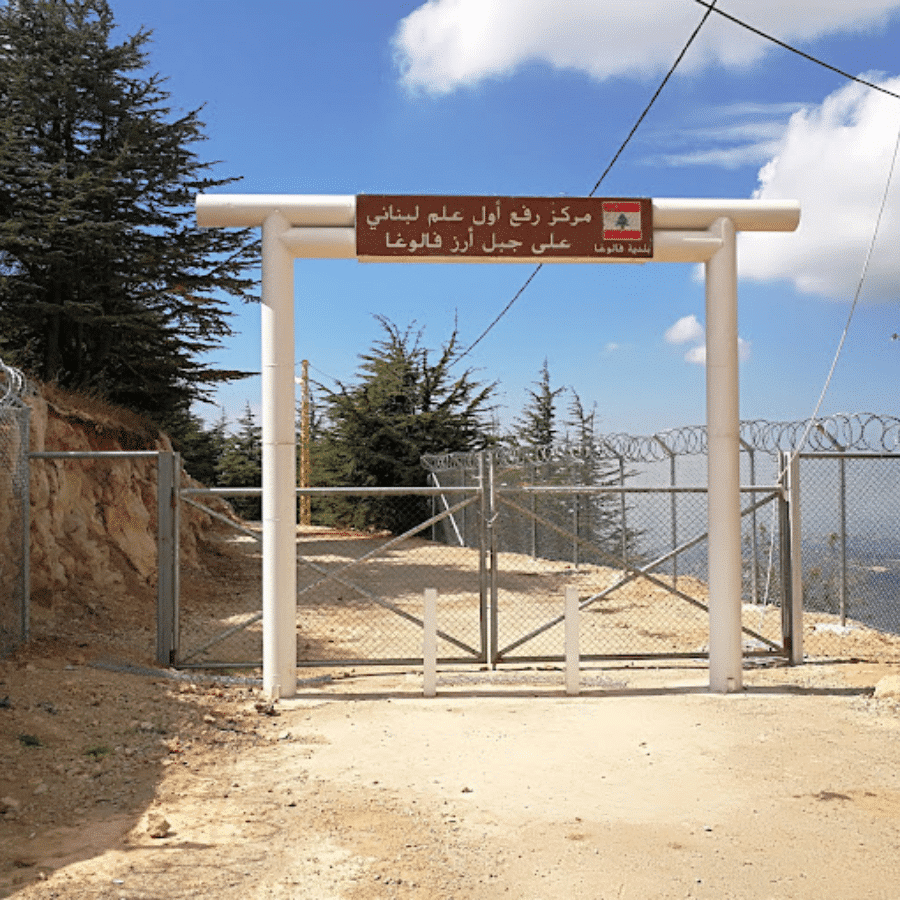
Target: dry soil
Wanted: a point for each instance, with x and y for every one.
(121, 782)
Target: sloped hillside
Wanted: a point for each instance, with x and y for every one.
(93, 522)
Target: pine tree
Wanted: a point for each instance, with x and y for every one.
(404, 404)
(536, 426)
(106, 284)
(600, 518)
(200, 446)
(240, 464)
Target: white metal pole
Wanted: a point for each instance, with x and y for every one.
(723, 435)
(429, 644)
(573, 652)
(279, 505)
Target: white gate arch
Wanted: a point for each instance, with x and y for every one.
(308, 226)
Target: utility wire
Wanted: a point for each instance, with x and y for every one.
(875, 87)
(884, 199)
(856, 296)
(606, 172)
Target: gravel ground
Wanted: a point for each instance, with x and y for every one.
(119, 785)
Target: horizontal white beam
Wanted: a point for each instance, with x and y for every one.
(339, 211)
(747, 215)
(299, 210)
(321, 243)
(684, 246)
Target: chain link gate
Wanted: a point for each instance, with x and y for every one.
(641, 582)
(359, 593)
(500, 545)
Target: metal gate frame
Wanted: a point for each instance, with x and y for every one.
(630, 571)
(785, 494)
(469, 654)
(490, 499)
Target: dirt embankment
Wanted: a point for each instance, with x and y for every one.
(93, 522)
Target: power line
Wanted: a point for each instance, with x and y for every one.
(884, 198)
(875, 87)
(859, 287)
(317, 369)
(600, 180)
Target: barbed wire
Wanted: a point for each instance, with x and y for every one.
(13, 386)
(856, 432)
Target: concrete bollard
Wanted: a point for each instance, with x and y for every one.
(429, 644)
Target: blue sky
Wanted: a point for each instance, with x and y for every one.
(533, 97)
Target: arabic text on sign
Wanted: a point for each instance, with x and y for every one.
(510, 227)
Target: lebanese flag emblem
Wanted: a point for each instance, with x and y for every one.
(622, 221)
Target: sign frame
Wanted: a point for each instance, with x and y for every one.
(474, 228)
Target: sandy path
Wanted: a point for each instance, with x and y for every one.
(644, 786)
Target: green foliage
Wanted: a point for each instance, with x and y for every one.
(574, 460)
(536, 427)
(240, 465)
(106, 284)
(200, 447)
(406, 402)
(599, 515)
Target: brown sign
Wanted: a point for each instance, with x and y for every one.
(502, 229)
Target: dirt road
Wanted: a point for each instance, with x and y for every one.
(644, 786)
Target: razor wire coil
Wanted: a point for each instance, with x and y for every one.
(13, 385)
(844, 432)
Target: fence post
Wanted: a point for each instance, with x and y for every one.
(623, 509)
(576, 522)
(492, 552)
(673, 505)
(168, 469)
(784, 554)
(482, 557)
(533, 499)
(842, 472)
(791, 559)
(796, 559)
(754, 549)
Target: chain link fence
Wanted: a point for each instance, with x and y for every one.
(500, 538)
(359, 588)
(639, 554)
(14, 508)
(634, 548)
(851, 553)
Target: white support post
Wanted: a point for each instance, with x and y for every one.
(279, 505)
(323, 226)
(723, 434)
(573, 652)
(429, 644)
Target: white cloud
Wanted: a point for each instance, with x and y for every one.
(730, 136)
(688, 330)
(696, 355)
(446, 44)
(685, 330)
(834, 158)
